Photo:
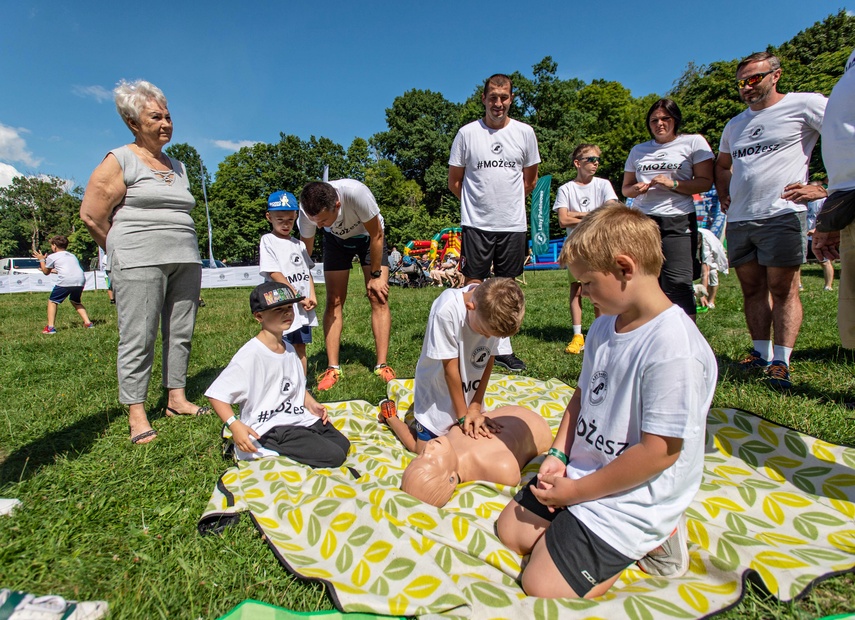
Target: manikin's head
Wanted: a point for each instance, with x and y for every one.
(432, 476)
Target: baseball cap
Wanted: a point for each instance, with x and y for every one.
(270, 295)
(282, 201)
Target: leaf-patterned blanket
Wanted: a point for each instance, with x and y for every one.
(773, 502)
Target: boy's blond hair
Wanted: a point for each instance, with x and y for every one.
(611, 230)
(500, 304)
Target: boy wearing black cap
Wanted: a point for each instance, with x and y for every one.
(264, 378)
(283, 258)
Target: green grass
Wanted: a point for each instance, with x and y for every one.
(102, 519)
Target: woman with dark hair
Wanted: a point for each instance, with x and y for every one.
(660, 176)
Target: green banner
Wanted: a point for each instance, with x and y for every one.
(540, 216)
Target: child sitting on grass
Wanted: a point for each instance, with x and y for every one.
(265, 379)
(629, 453)
(70, 281)
(463, 330)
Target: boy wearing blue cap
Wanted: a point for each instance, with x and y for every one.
(283, 258)
(277, 415)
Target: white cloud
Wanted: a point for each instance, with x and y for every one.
(233, 145)
(14, 148)
(98, 93)
(7, 173)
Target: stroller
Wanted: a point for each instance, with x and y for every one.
(412, 275)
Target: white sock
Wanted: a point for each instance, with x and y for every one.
(782, 354)
(577, 330)
(764, 348)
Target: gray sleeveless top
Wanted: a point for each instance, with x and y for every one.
(152, 224)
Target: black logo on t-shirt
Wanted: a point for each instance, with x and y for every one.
(584, 202)
(296, 259)
(758, 131)
(496, 148)
(479, 357)
(599, 387)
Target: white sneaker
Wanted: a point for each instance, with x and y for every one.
(671, 558)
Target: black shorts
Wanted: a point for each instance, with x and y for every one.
(480, 250)
(582, 557)
(339, 253)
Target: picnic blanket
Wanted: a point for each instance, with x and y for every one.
(775, 505)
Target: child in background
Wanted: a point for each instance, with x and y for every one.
(70, 281)
(713, 259)
(283, 258)
(573, 201)
(264, 378)
(463, 330)
(627, 459)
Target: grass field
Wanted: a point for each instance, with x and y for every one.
(102, 519)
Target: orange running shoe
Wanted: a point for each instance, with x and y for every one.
(328, 378)
(385, 372)
(388, 409)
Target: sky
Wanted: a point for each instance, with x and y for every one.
(236, 73)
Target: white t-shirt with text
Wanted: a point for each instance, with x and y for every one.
(268, 387)
(288, 257)
(448, 336)
(838, 132)
(492, 197)
(771, 148)
(358, 205)
(658, 379)
(676, 160)
(585, 198)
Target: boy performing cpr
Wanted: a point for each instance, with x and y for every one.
(463, 330)
(628, 456)
(265, 379)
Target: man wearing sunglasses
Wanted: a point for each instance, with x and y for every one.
(491, 169)
(761, 177)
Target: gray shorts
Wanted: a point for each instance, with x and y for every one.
(779, 241)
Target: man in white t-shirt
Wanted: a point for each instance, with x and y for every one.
(761, 178)
(838, 155)
(491, 169)
(352, 226)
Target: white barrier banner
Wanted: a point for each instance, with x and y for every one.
(97, 280)
(231, 276)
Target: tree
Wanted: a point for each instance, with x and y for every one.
(32, 209)
(246, 178)
(421, 126)
(196, 174)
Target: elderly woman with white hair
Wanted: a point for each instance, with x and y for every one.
(137, 207)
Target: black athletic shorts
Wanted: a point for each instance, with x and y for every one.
(480, 250)
(339, 253)
(582, 557)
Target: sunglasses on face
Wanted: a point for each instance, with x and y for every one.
(591, 160)
(752, 80)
